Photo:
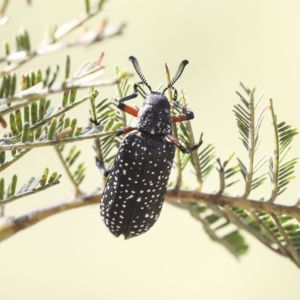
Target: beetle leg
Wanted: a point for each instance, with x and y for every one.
(187, 114)
(181, 117)
(181, 147)
(99, 164)
(128, 109)
(124, 130)
(133, 95)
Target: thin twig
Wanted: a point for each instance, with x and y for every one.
(292, 251)
(268, 232)
(24, 57)
(44, 92)
(47, 143)
(66, 168)
(251, 145)
(194, 154)
(31, 192)
(241, 224)
(208, 229)
(221, 172)
(175, 133)
(275, 166)
(13, 160)
(58, 113)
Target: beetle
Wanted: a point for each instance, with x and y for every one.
(134, 193)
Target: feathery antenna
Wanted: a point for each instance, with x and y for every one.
(139, 71)
(178, 74)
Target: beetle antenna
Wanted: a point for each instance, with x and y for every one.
(139, 71)
(178, 74)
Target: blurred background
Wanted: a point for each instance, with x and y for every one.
(73, 255)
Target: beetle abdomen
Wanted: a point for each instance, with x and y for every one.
(135, 190)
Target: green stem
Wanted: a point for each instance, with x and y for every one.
(34, 191)
(242, 224)
(67, 140)
(98, 147)
(3, 7)
(207, 228)
(194, 154)
(17, 138)
(69, 174)
(175, 133)
(45, 92)
(292, 250)
(268, 232)
(16, 158)
(276, 155)
(221, 172)
(251, 145)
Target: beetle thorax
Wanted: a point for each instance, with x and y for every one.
(154, 117)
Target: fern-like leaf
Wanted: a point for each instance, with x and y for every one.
(281, 171)
(248, 126)
(69, 157)
(217, 226)
(207, 160)
(226, 172)
(34, 185)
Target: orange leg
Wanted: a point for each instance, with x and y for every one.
(128, 109)
(187, 114)
(180, 118)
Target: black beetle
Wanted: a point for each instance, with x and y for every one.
(134, 193)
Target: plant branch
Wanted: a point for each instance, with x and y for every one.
(17, 59)
(13, 160)
(31, 192)
(46, 120)
(244, 203)
(33, 95)
(47, 143)
(11, 225)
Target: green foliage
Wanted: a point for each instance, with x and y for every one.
(248, 125)
(225, 224)
(281, 171)
(34, 185)
(30, 121)
(219, 228)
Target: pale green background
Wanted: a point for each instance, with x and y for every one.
(72, 255)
